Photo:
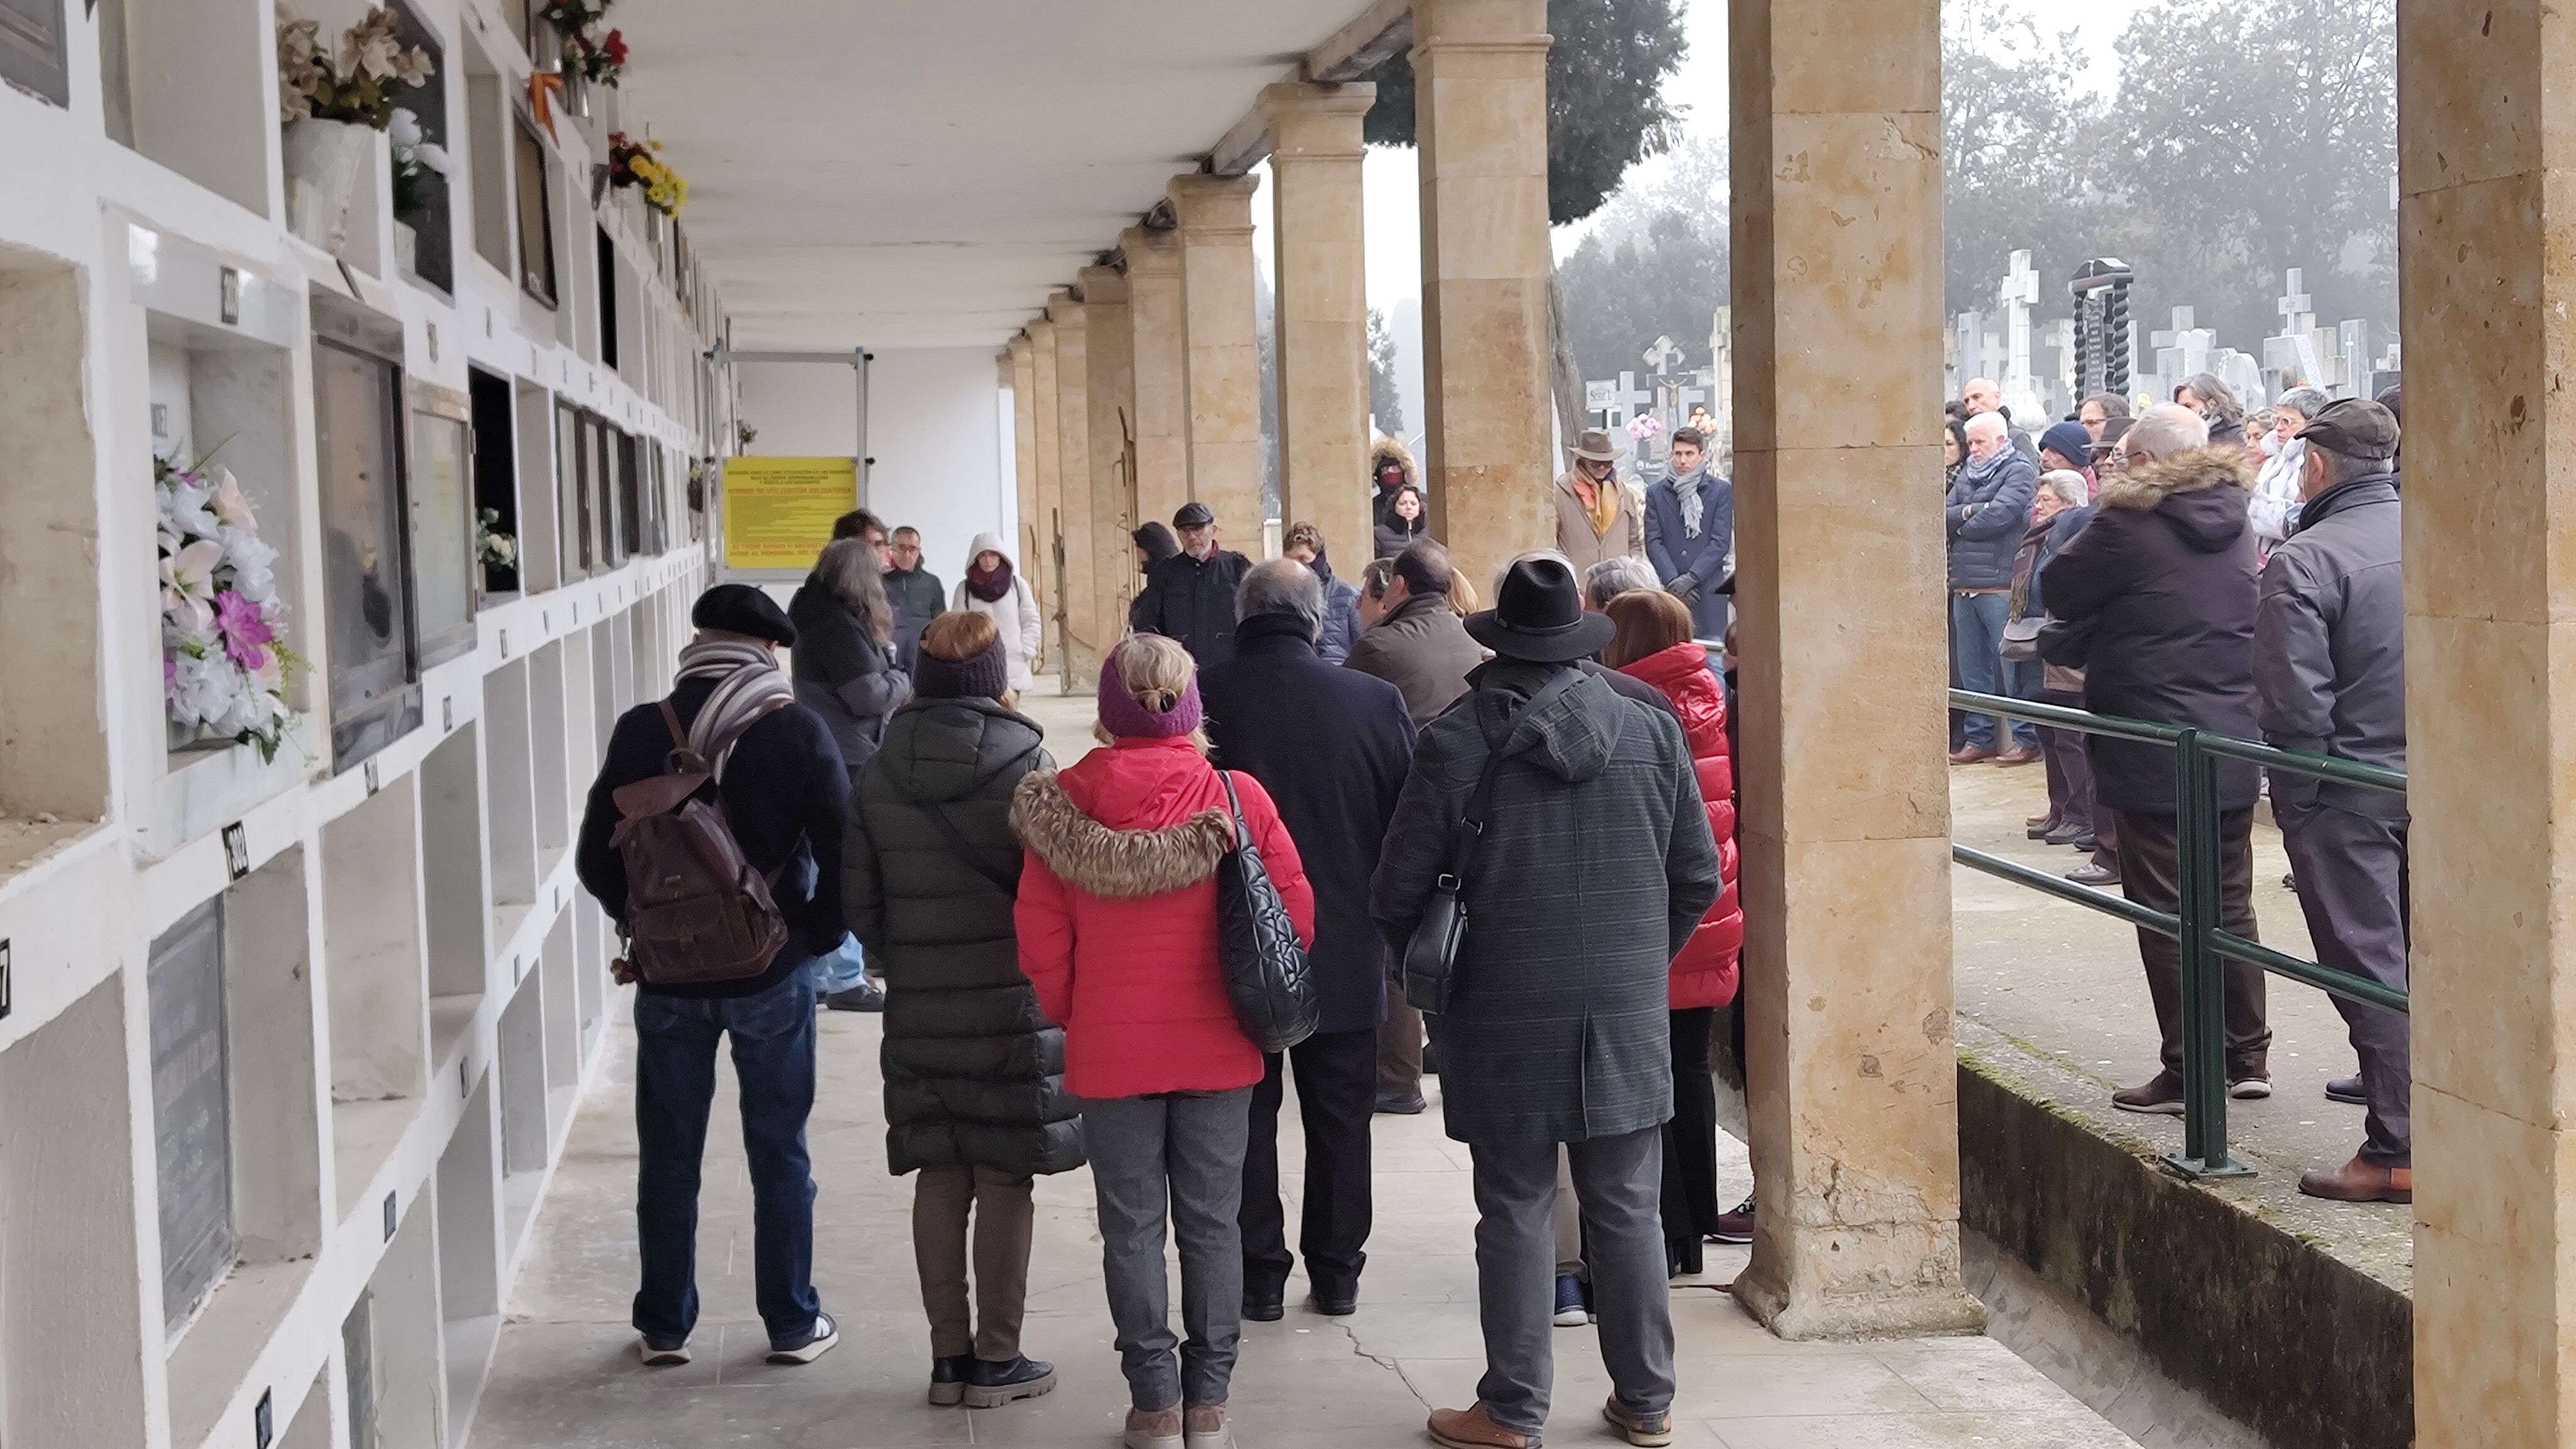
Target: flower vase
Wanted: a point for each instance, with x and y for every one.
(407, 247)
(322, 161)
(576, 92)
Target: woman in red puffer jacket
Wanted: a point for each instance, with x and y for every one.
(1654, 644)
(1117, 922)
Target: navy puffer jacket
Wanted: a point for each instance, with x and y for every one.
(1985, 512)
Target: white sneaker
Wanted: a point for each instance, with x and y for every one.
(1207, 1426)
(662, 1355)
(2250, 1089)
(817, 1343)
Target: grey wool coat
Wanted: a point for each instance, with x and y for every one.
(1597, 862)
(974, 1072)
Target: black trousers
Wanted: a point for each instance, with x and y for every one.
(1336, 1094)
(1690, 1142)
(2151, 875)
(2355, 891)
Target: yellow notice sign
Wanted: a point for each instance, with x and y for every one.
(778, 512)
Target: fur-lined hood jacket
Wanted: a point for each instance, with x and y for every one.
(2202, 493)
(1105, 861)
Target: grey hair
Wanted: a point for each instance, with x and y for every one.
(1374, 579)
(1282, 586)
(849, 567)
(2307, 402)
(2067, 485)
(2344, 467)
(1989, 423)
(2212, 389)
(1612, 577)
(2167, 429)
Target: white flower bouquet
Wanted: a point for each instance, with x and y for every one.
(225, 666)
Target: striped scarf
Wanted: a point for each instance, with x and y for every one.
(748, 685)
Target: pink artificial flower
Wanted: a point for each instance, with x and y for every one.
(246, 630)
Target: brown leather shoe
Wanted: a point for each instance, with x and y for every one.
(2018, 755)
(1649, 1431)
(1971, 755)
(2359, 1181)
(1473, 1428)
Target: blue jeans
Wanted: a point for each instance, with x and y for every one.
(1976, 647)
(675, 1083)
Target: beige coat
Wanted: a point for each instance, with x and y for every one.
(1574, 536)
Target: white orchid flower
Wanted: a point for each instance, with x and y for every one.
(230, 505)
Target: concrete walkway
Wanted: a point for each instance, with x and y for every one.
(566, 1377)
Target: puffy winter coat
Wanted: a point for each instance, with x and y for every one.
(842, 674)
(2166, 571)
(1396, 533)
(1341, 614)
(974, 1072)
(1704, 974)
(1117, 915)
(1987, 508)
(1596, 868)
(1015, 614)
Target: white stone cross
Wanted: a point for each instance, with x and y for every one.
(2019, 293)
(2296, 315)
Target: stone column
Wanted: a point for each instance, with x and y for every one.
(1845, 827)
(1162, 372)
(1041, 535)
(1019, 367)
(1321, 262)
(1215, 213)
(2487, 134)
(1073, 449)
(1112, 392)
(1480, 114)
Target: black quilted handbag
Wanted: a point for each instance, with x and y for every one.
(1266, 975)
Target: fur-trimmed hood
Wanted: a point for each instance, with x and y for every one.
(1383, 448)
(2202, 494)
(1120, 864)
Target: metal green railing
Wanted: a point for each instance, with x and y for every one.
(2198, 925)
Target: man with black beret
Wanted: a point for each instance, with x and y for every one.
(784, 793)
(1190, 596)
(2330, 665)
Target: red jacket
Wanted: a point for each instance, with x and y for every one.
(1704, 973)
(1117, 915)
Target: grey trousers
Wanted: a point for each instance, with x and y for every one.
(1176, 1158)
(2354, 891)
(1620, 1184)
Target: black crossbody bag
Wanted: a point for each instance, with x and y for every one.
(1429, 970)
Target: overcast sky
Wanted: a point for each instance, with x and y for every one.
(1391, 180)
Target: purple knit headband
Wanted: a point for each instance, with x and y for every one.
(1124, 715)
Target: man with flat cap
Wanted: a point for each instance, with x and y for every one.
(2330, 665)
(1190, 596)
(1592, 866)
(784, 793)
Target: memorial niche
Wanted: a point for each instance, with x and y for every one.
(367, 576)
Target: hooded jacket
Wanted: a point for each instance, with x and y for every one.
(1117, 915)
(1015, 614)
(2330, 644)
(1331, 747)
(974, 1072)
(1704, 974)
(1596, 866)
(2165, 569)
(1984, 513)
(1382, 451)
(1422, 649)
(842, 674)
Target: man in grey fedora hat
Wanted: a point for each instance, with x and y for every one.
(1594, 865)
(1597, 517)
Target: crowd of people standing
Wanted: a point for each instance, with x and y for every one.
(2192, 567)
(1044, 941)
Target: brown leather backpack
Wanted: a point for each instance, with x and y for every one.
(697, 912)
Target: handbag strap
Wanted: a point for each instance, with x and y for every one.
(1234, 805)
(1470, 830)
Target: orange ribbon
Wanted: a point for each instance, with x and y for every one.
(543, 87)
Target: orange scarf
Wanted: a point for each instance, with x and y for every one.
(1600, 501)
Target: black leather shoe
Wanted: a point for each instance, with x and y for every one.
(1265, 1310)
(991, 1384)
(1401, 1106)
(1336, 1302)
(866, 996)
(948, 1379)
(2346, 1090)
(1430, 1059)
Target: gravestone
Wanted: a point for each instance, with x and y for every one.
(2018, 293)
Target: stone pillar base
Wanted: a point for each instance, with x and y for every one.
(1906, 1313)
